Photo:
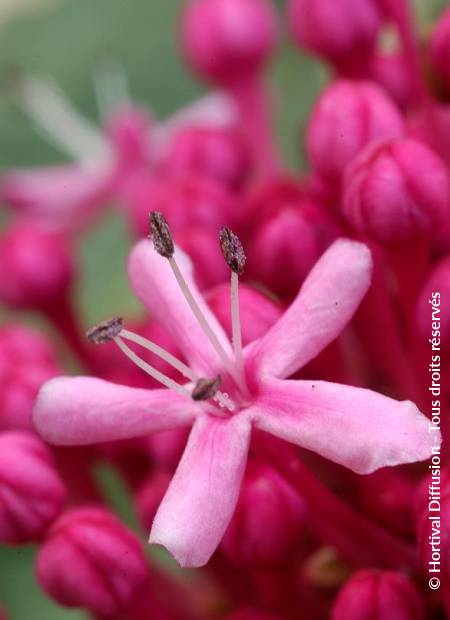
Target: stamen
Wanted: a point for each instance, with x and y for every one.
(206, 388)
(105, 331)
(156, 374)
(232, 250)
(59, 121)
(234, 255)
(173, 361)
(163, 242)
(161, 235)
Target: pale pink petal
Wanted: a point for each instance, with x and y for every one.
(154, 283)
(202, 496)
(326, 302)
(85, 410)
(61, 196)
(355, 427)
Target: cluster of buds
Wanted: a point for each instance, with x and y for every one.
(283, 355)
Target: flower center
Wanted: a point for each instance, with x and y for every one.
(204, 389)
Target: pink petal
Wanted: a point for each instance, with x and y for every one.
(62, 196)
(202, 496)
(84, 410)
(357, 428)
(325, 304)
(154, 283)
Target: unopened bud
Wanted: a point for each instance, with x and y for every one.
(396, 191)
(31, 492)
(91, 560)
(378, 595)
(227, 39)
(347, 117)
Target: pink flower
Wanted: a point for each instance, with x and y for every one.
(232, 390)
(106, 163)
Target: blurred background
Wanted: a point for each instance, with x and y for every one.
(66, 40)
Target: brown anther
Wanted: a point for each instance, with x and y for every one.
(105, 331)
(232, 250)
(161, 235)
(206, 388)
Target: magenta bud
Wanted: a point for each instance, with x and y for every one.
(343, 33)
(348, 116)
(257, 311)
(187, 201)
(435, 294)
(387, 496)
(219, 153)
(32, 494)
(166, 447)
(90, 559)
(36, 267)
(26, 361)
(226, 40)
(150, 496)
(289, 233)
(396, 191)
(378, 595)
(268, 520)
(440, 47)
(392, 73)
(251, 613)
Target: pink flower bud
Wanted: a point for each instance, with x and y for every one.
(347, 117)
(185, 202)
(26, 362)
(440, 47)
(343, 33)
(396, 191)
(268, 520)
(258, 312)
(31, 492)
(90, 559)
(150, 496)
(387, 496)
(226, 40)
(220, 153)
(36, 267)
(251, 613)
(378, 595)
(289, 233)
(436, 289)
(391, 72)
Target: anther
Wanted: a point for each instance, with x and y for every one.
(105, 331)
(232, 250)
(161, 235)
(206, 388)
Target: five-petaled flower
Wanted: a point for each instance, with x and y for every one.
(244, 389)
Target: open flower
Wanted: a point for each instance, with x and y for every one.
(105, 162)
(231, 389)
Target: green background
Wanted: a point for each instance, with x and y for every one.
(65, 41)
